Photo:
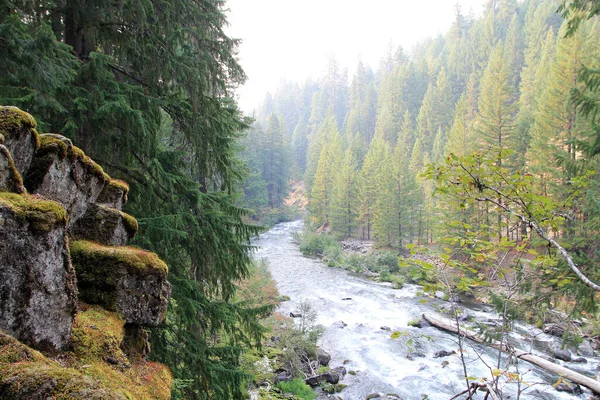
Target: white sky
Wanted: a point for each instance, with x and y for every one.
(293, 39)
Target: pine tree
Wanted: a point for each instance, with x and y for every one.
(371, 184)
(345, 197)
(557, 125)
(322, 189)
(145, 89)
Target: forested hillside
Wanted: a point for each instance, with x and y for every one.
(498, 90)
(144, 88)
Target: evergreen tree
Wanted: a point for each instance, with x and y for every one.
(144, 87)
(345, 197)
(371, 184)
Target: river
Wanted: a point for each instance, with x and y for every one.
(380, 362)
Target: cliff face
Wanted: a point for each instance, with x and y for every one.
(69, 286)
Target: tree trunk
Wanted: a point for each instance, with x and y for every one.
(450, 326)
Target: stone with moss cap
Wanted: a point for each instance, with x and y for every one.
(105, 225)
(128, 280)
(10, 178)
(20, 136)
(38, 292)
(62, 172)
(114, 194)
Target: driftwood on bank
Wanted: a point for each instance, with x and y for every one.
(450, 326)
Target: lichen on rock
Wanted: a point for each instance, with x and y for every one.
(128, 280)
(37, 280)
(62, 172)
(102, 348)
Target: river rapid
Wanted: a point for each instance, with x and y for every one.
(404, 366)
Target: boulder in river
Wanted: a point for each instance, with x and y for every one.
(443, 353)
(569, 388)
(554, 329)
(562, 354)
(339, 324)
(323, 357)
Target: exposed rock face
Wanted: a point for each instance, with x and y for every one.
(323, 357)
(72, 199)
(20, 136)
(124, 279)
(105, 225)
(63, 173)
(10, 179)
(114, 194)
(37, 282)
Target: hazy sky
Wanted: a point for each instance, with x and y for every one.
(293, 39)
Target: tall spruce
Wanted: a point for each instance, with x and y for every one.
(144, 88)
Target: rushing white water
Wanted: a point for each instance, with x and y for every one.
(380, 362)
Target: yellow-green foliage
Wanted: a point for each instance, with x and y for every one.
(43, 215)
(97, 333)
(15, 180)
(104, 258)
(12, 118)
(24, 371)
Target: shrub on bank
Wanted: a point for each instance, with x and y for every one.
(298, 388)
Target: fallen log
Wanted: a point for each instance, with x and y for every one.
(451, 326)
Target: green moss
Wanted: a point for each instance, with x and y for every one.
(99, 269)
(75, 153)
(131, 224)
(53, 144)
(13, 119)
(15, 181)
(1, 138)
(43, 215)
(121, 185)
(97, 333)
(134, 259)
(25, 373)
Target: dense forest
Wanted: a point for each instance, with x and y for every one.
(486, 137)
(145, 88)
(404, 155)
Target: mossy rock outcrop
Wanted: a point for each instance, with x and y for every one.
(101, 349)
(38, 293)
(63, 173)
(96, 369)
(20, 136)
(105, 225)
(128, 280)
(114, 194)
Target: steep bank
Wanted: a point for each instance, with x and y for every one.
(75, 298)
